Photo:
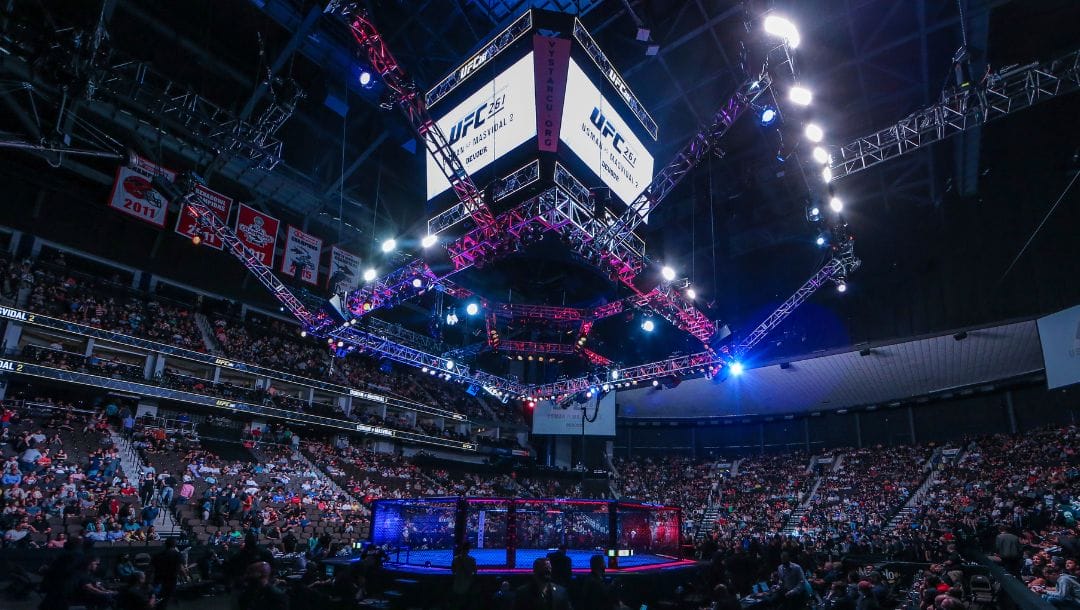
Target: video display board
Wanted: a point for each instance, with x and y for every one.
(497, 118)
(1060, 337)
(550, 418)
(598, 135)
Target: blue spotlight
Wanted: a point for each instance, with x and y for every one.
(736, 368)
(768, 115)
(472, 309)
(365, 78)
(648, 325)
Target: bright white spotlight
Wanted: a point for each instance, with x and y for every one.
(369, 274)
(417, 283)
(800, 95)
(429, 241)
(768, 115)
(815, 211)
(820, 240)
(648, 325)
(389, 245)
(826, 174)
(655, 383)
(614, 373)
(820, 155)
(813, 132)
(472, 309)
(449, 365)
(736, 368)
(841, 286)
(836, 204)
(782, 28)
(667, 273)
(365, 78)
(691, 294)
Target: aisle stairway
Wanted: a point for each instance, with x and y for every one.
(795, 518)
(132, 464)
(338, 490)
(207, 332)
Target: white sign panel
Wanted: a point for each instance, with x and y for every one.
(599, 136)
(133, 194)
(550, 418)
(302, 253)
(496, 119)
(1060, 337)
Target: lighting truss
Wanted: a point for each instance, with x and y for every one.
(558, 349)
(137, 83)
(1002, 94)
(643, 372)
(208, 219)
(840, 266)
(391, 289)
(405, 95)
(686, 160)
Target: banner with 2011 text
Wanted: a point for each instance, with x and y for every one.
(133, 194)
(301, 257)
(188, 226)
(258, 231)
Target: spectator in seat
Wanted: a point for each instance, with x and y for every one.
(1066, 592)
(258, 592)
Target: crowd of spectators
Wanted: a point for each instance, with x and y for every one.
(62, 476)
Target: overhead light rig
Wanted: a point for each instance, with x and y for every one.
(1005, 92)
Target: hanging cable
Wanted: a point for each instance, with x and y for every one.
(1038, 228)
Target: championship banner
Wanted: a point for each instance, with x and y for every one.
(551, 57)
(257, 231)
(301, 254)
(344, 270)
(188, 226)
(133, 194)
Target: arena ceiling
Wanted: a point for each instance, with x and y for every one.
(936, 230)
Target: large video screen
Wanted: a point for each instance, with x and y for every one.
(1060, 336)
(595, 132)
(550, 418)
(499, 117)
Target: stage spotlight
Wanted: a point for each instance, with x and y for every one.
(648, 325)
(821, 239)
(826, 174)
(655, 383)
(417, 283)
(841, 286)
(341, 344)
(813, 213)
(429, 241)
(820, 155)
(691, 294)
(813, 132)
(768, 115)
(389, 245)
(303, 333)
(369, 274)
(365, 78)
(472, 309)
(736, 368)
(800, 95)
(449, 365)
(836, 204)
(667, 273)
(614, 373)
(451, 317)
(782, 28)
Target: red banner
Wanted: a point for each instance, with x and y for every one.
(258, 231)
(132, 193)
(219, 204)
(302, 252)
(551, 59)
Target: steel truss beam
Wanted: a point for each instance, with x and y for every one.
(1000, 95)
(686, 160)
(708, 362)
(559, 349)
(405, 95)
